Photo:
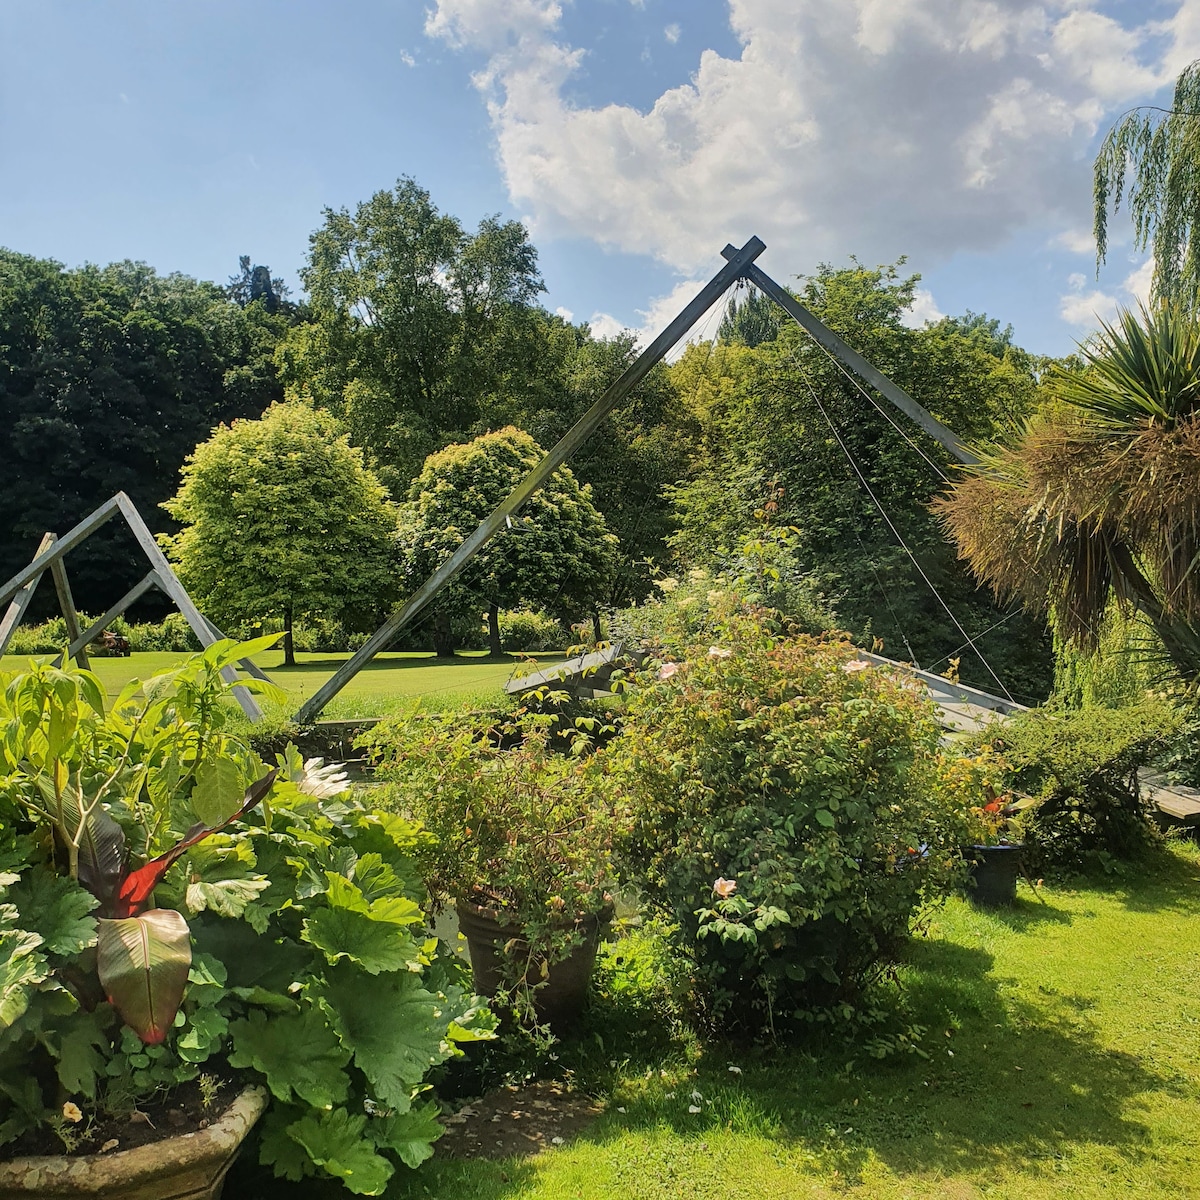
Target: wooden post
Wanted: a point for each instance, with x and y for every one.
(570, 442)
(20, 602)
(68, 541)
(66, 602)
(170, 583)
(93, 631)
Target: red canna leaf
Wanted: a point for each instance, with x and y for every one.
(143, 966)
(137, 886)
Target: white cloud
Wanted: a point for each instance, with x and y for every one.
(876, 127)
(1077, 241)
(565, 313)
(671, 33)
(1086, 309)
(407, 59)
(661, 313)
(923, 308)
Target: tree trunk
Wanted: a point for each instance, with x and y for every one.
(494, 630)
(597, 629)
(443, 636)
(289, 651)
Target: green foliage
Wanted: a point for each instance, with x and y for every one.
(418, 324)
(523, 630)
(109, 377)
(333, 1030)
(770, 459)
(1161, 149)
(1081, 769)
(558, 550)
(283, 520)
(518, 828)
(788, 811)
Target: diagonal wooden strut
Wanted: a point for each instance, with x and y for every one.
(570, 442)
(855, 361)
(20, 601)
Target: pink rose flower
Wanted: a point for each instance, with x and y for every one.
(725, 888)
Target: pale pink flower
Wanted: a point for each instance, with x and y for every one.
(725, 887)
(857, 664)
(719, 652)
(667, 670)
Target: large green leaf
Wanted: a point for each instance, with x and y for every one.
(396, 1029)
(337, 1144)
(22, 967)
(77, 1051)
(226, 897)
(57, 908)
(373, 934)
(298, 1054)
(276, 1147)
(410, 1135)
(143, 964)
(218, 793)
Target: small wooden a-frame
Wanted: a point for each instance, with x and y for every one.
(18, 591)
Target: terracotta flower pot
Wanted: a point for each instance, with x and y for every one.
(559, 1001)
(188, 1166)
(994, 871)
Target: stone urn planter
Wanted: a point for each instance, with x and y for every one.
(994, 871)
(558, 1001)
(188, 1166)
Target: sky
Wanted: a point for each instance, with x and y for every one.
(635, 138)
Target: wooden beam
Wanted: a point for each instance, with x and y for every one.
(20, 602)
(58, 569)
(855, 361)
(570, 442)
(68, 541)
(135, 593)
(169, 582)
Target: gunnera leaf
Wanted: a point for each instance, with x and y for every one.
(298, 1055)
(335, 1142)
(56, 907)
(410, 1135)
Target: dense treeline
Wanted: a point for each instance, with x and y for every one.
(109, 376)
(419, 334)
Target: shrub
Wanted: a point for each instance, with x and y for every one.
(517, 827)
(524, 630)
(788, 811)
(1080, 766)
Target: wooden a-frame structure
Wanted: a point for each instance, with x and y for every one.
(740, 265)
(18, 592)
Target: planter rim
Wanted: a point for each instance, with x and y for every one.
(93, 1173)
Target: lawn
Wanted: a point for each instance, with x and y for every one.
(1064, 1061)
(389, 683)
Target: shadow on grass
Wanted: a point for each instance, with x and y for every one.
(327, 666)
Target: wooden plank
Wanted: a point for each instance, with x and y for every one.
(20, 602)
(66, 602)
(135, 593)
(855, 362)
(170, 583)
(570, 442)
(68, 541)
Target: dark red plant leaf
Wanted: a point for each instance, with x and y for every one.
(137, 886)
(143, 965)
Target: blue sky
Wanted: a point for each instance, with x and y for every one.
(635, 137)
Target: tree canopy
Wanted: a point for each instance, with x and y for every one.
(558, 553)
(781, 424)
(108, 378)
(417, 323)
(1153, 155)
(282, 520)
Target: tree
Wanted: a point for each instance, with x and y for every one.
(255, 284)
(1094, 510)
(417, 323)
(108, 378)
(781, 420)
(1162, 150)
(558, 552)
(281, 521)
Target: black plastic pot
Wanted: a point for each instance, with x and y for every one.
(559, 1001)
(994, 871)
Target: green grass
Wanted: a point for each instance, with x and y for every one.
(390, 683)
(1064, 1061)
